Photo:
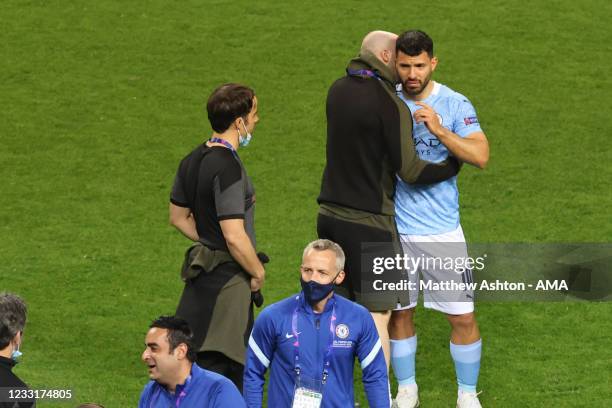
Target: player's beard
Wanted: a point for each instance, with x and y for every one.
(420, 89)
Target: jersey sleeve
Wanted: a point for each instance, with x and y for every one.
(262, 344)
(229, 191)
(466, 121)
(226, 395)
(374, 368)
(178, 196)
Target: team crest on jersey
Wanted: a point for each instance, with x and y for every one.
(470, 120)
(342, 331)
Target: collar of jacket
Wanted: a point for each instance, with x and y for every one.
(308, 309)
(8, 363)
(367, 60)
(195, 372)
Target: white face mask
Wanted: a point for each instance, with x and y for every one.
(244, 141)
(16, 353)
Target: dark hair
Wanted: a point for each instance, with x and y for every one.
(414, 42)
(227, 103)
(13, 312)
(90, 405)
(178, 333)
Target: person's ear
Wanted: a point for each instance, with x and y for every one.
(340, 278)
(237, 123)
(434, 63)
(18, 338)
(180, 352)
(386, 56)
(241, 124)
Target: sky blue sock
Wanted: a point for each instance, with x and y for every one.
(467, 364)
(403, 353)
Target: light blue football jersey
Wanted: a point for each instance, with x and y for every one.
(434, 209)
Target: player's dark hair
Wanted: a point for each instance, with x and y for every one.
(414, 42)
(178, 332)
(13, 312)
(227, 103)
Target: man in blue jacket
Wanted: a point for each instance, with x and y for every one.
(310, 341)
(176, 381)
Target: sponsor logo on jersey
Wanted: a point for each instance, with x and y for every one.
(429, 142)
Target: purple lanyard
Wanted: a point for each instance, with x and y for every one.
(224, 143)
(183, 393)
(296, 344)
(363, 72)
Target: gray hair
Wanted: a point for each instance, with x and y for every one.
(12, 317)
(324, 245)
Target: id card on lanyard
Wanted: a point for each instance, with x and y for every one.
(308, 392)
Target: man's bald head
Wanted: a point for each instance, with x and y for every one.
(382, 45)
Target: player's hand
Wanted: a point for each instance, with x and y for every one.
(430, 117)
(256, 284)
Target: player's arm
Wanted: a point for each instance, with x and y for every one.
(473, 148)
(374, 368)
(229, 187)
(397, 124)
(182, 219)
(241, 249)
(260, 351)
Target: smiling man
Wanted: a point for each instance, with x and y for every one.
(175, 379)
(310, 342)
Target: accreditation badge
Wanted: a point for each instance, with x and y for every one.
(308, 393)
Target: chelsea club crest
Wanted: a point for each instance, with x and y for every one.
(342, 331)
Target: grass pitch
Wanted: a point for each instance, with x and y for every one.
(100, 101)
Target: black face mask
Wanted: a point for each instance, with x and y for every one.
(314, 292)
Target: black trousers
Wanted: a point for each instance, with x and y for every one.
(351, 235)
(221, 364)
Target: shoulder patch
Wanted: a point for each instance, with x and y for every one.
(470, 120)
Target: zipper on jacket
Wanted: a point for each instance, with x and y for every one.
(317, 325)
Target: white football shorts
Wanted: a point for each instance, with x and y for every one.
(439, 271)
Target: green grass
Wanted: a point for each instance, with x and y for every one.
(100, 101)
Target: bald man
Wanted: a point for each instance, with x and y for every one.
(369, 142)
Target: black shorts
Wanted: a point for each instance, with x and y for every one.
(355, 235)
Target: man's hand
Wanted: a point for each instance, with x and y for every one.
(256, 284)
(430, 117)
(182, 219)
